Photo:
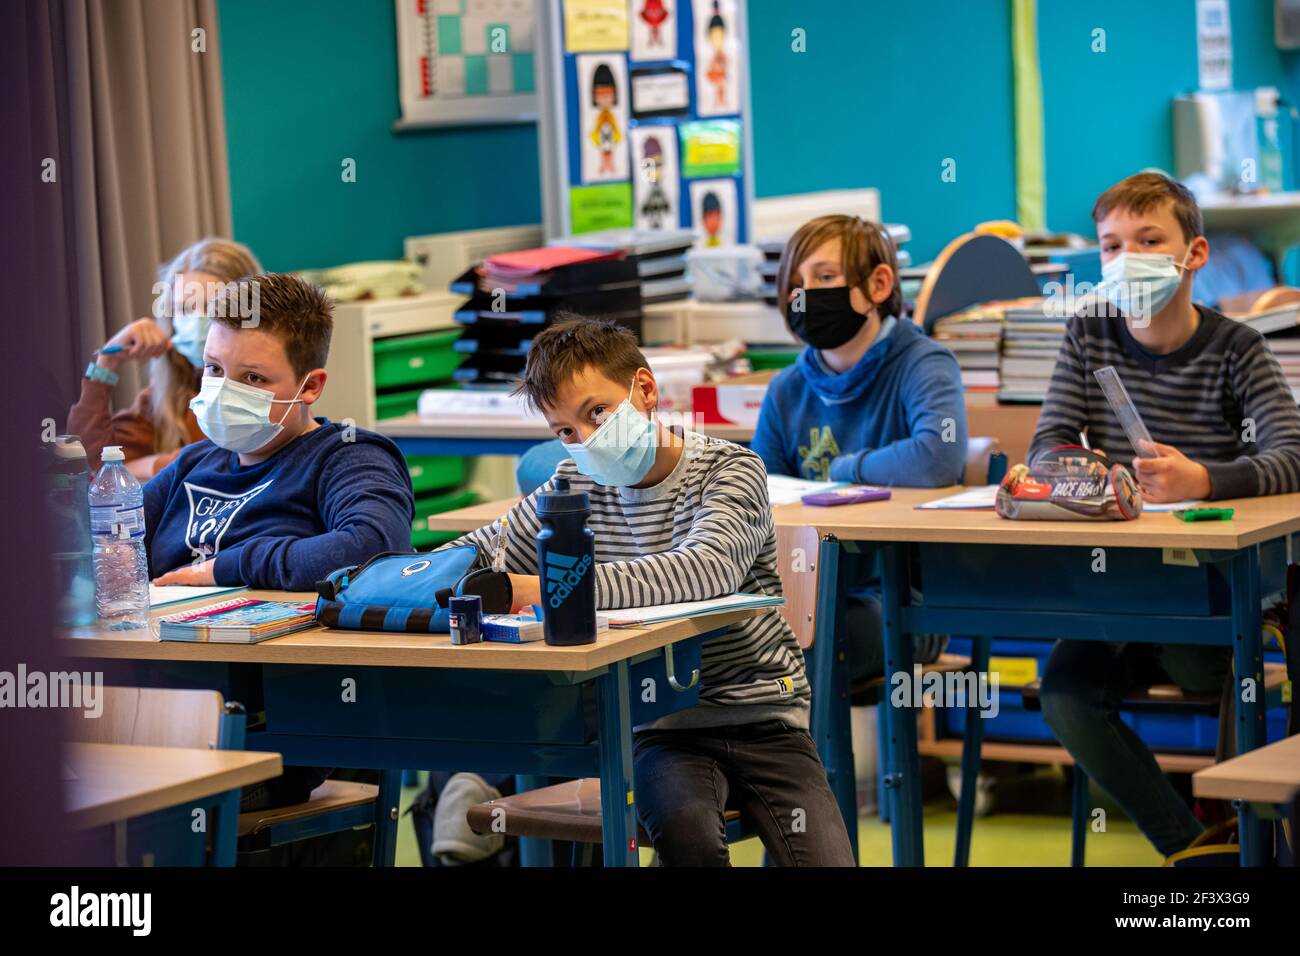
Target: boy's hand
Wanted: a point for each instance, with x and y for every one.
(140, 340)
(528, 591)
(192, 575)
(1171, 476)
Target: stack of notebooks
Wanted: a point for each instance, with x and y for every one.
(241, 621)
(660, 257)
(772, 246)
(514, 295)
(974, 335)
(1031, 340)
(1281, 330)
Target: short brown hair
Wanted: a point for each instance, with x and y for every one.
(572, 345)
(863, 246)
(1142, 192)
(293, 310)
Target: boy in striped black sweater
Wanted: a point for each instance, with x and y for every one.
(679, 516)
(1224, 425)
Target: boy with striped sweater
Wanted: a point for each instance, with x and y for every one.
(679, 516)
(1224, 425)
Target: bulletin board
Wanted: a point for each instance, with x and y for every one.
(644, 117)
(463, 62)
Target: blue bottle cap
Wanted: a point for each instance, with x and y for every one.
(562, 500)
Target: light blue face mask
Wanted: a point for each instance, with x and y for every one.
(237, 417)
(190, 331)
(1140, 284)
(621, 451)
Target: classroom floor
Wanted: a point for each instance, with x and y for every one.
(1029, 826)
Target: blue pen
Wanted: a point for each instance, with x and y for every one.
(110, 349)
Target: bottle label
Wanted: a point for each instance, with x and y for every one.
(117, 522)
(564, 572)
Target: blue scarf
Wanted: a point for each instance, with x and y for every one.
(835, 389)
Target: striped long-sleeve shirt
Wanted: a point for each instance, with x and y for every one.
(1221, 399)
(703, 532)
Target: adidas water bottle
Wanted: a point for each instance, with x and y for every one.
(566, 560)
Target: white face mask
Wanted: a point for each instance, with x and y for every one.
(237, 417)
(190, 333)
(1140, 284)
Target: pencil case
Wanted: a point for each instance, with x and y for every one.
(410, 591)
(1069, 483)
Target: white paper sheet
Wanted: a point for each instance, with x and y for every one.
(638, 616)
(969, 500)
(174, 594)
(1171, 505)
(784, 490)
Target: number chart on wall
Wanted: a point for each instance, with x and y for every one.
(644, 117)
(466, 61)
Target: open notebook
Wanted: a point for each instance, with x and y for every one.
(657, 614)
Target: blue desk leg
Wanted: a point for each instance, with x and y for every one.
(972, 741)
(903, 763)
(828, 675)
(1248, 662)
(533, 851)
(390, 796)
(617, 809)
(225, 842)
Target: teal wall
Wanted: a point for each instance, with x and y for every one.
(887, 90)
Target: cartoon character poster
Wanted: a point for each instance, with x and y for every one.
(717, 58)
(714, 212)
(654, 154)
(654, 29)
(603, 95)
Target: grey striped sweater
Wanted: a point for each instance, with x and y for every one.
(1207, 399)
(704, 531)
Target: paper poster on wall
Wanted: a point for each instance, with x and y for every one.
(714, 211)
(660, 92)
(591, 25)
(710, 148)
(656, 189)
(654, 29)
(717, 58)
(602, 95)
(1214, 44)
(593, 208)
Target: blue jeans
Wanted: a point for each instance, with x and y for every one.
(685, 779)
(1083, 685)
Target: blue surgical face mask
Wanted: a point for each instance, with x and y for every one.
(237, 417)
(190, 331)
(1140, 284)
(621, 452)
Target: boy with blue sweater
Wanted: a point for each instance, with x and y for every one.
(871, 400)
(275, 498)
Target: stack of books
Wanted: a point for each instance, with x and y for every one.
(974, 335)
(1281, 330)
(514, 295)
(660, 257)
(1031, 339)
(241, 621)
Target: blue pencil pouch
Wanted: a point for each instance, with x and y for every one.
(410, 592)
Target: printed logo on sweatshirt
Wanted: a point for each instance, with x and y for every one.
(816, 456)
(211, 514)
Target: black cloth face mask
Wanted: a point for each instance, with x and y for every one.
(827, 320)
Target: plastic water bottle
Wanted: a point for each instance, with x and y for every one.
(67, 483)
(566, 558)
(117, 528)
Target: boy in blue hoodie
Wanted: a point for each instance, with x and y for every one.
(275, 498)
(871, 400)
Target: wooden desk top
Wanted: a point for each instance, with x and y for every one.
(1256, 520)
(413, 426)
(1268, 775)
(113, 782)
(321, 645)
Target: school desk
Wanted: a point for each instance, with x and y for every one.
(155, 789)
(1270, 774)
(985, 576)
(481, 435)
(390, 701)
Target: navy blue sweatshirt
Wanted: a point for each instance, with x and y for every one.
(332, 497)
(898, 417)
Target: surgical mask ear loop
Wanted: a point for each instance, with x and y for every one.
(290, 402)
